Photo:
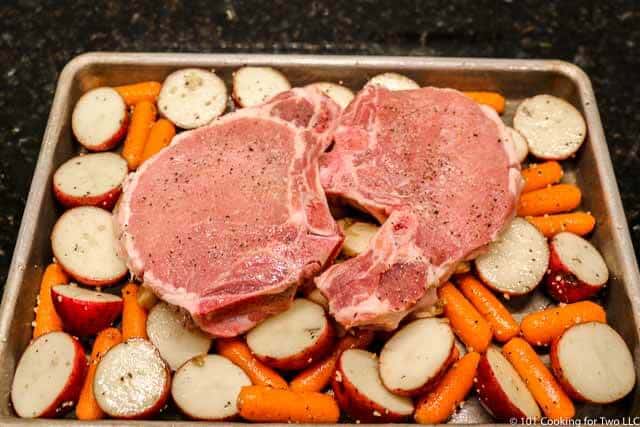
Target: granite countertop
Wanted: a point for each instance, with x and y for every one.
(38, 37)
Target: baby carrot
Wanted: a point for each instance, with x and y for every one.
(142, 118)
(580, 223)
(540, 175)
(47, 320)
(545, 389)
(87, 408)
(502, 323)
(438, 405)
(492, 99)
(134, 317)
(271, 405)
(160, 136)
(260, 374)
(541, 327)
(555, 199)
(317, 376)
(465, 320)
(144, 91)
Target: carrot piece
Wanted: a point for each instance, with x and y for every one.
(259, 373)
(47, 320)
(540, 175)
(134, 317)
(142, 118)
(438, 405)
(492, 99)
(555, 199)
(465, 320)
(265, 404)
(161, 134)
(501, 321)
(545, 389)
(87, 408)
(144, 91)
(317, 376)
(580, 223)
(542, 327)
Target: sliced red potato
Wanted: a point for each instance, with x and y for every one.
(294, 338)
(576, 269)
(85, 312)
(519, 143)
(255, 85)
(516, 262)
(174, 334)
(408, 366)
(99, 119)
(393, 81)
(207, 388)
(192, 97)
(132, 381)
(357, 236)
(593, 363)
(361, 394)
(84, 243)
(90, 180)
(339, 94)
(501, 390)
(553, 128)
(49, 376)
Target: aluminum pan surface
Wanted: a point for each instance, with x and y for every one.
(515, 78)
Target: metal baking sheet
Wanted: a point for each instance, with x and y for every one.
(516, 79)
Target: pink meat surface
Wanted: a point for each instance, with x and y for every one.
(231, 217)
(440, 172)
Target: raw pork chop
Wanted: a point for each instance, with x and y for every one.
(439, 171)
(231, 217)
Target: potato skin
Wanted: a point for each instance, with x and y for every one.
(85, 318)
(321, 348)
(105, 201)
(358, 406)
(562, 285)
(72, 388)
(491, 395)
(454, 355)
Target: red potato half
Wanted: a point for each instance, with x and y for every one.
(593, 364)
(90, 180)
(49, 376)
(357, 236)
(501, 390)
(99, 119)
(207, 388)
(84, 243)
(174, 334)
(339, 94)
(576, 269)
(85, 312)
(255, 85)
(519, 143)
(361, 394)
(293, 339)
(553, 128)
(393, 81)
(417, 356)
(516, 262)
(192, 97)
(132, 381)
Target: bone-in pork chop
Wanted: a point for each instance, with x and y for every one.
(231, 217)
(439, 171)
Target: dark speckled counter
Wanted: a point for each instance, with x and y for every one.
(38, 37)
